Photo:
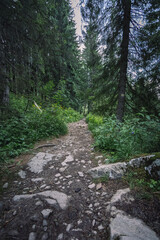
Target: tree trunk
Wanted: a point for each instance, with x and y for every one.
(124, 59)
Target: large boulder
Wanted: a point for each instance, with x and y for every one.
(124, 227)
(154, 169)
(113, 171)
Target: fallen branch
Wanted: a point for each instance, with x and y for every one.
(45, 145)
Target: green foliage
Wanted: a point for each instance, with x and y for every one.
(123, 140)
(70, 115)
(94, 121)
(17, 134)
(139, 180)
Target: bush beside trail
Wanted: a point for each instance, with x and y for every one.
(19, 132)
(139, 134)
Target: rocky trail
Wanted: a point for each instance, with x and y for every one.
(55, 198)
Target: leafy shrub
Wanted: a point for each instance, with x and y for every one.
(94, 121)
(126, 139)
(66, 114)
(19, 133)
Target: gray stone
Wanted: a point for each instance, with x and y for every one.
(91, 186)
(39, 203)
(5, 186)
(80, 174)
(57, 175)
(45, 229)
(61, 198)
(154, 169)
(69, 176)
(37, 163)
(124, 227)
(45, 223)
(69, 226)
(100, 227)
(45, 236)
(93, 222)
(37, 179)
(60, 236)
(22, 174)
(138, 162)
(119, 194)
(51, 202)
(67, 160)
(62, 169)
(32, 236)
(43, 186)
(34, 227)
(14, 213)
(113, 171)
(99, 186)
(98, 157)
(46, 212)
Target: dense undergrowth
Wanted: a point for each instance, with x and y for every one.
(136, 135)
(21, 129)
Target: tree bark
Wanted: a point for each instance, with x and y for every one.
(124, 59)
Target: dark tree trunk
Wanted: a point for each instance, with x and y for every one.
(124, 59)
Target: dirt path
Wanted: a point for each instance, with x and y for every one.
(54, 198)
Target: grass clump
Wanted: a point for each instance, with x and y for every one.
(134, 136)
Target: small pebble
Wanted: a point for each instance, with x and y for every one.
(5, 186)
(14, 213)
(60, 236)
(46, 212)
(45, 236)
(32, 236)
(45, 223)
(69, 226)
(91, 186)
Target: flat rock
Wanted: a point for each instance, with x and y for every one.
(98, 186)
(91, 186)
(113, 171)
(22, 174)
(60, 236)
(67, 160)
(37, 179)
(80, 174)
(32, 236)
(118, 195)
(5, 186)
(37, 163)
(61, 198)
(154, 169)
(124, 227)
(63, 169)
(51, 202)
(138, 162)
(46, 212)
